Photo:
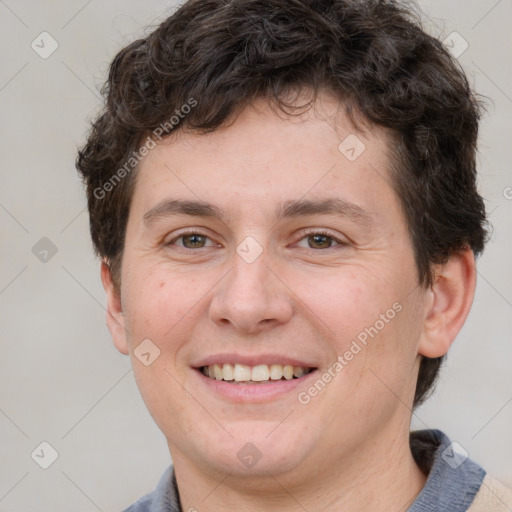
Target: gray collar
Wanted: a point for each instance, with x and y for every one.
(453, 479)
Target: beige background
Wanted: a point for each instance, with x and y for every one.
(62, 381)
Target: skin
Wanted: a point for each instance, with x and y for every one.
(347, 449)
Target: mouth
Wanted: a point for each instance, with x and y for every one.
(240, 374)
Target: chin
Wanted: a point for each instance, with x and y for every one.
(255, 451)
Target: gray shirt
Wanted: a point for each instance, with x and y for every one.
(452, 484)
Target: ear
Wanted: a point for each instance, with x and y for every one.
(448, 304)
(115, 318)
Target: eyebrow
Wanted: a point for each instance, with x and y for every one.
(288, 209)
(333, 205)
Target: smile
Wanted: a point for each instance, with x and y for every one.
(259, 374)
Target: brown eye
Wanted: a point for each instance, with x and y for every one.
(193, 241)
(319, 241)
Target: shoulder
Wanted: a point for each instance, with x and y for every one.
(165, 497)
(144, 504)
(453, 480)
(492, 495)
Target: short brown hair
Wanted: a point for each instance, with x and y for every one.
(224, 54)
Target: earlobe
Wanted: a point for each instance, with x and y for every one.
(115, 317)
(449, 302)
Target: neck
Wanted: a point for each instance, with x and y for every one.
(381, 475)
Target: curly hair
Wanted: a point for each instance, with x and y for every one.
(373, 55)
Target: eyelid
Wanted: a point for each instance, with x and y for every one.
(304, 234)
(188, 232)
(325, 232)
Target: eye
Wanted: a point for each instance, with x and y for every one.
(191, 240)
(321, 240)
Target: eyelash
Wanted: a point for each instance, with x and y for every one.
(323, 232)
(339, 243)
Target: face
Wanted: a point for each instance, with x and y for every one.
(268, 253)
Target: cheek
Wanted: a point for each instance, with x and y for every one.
(157, 309)
(157, 301)
(345, 303)
(366, 320)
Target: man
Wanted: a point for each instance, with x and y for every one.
(283, 196)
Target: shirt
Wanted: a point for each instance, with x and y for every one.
(454, 484)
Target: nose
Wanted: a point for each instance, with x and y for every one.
(251, 298)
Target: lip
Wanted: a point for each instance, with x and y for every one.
(254, 360)
(254, 393)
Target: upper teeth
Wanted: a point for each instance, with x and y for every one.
(261, 372)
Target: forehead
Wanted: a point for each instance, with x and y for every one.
(266, 159)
